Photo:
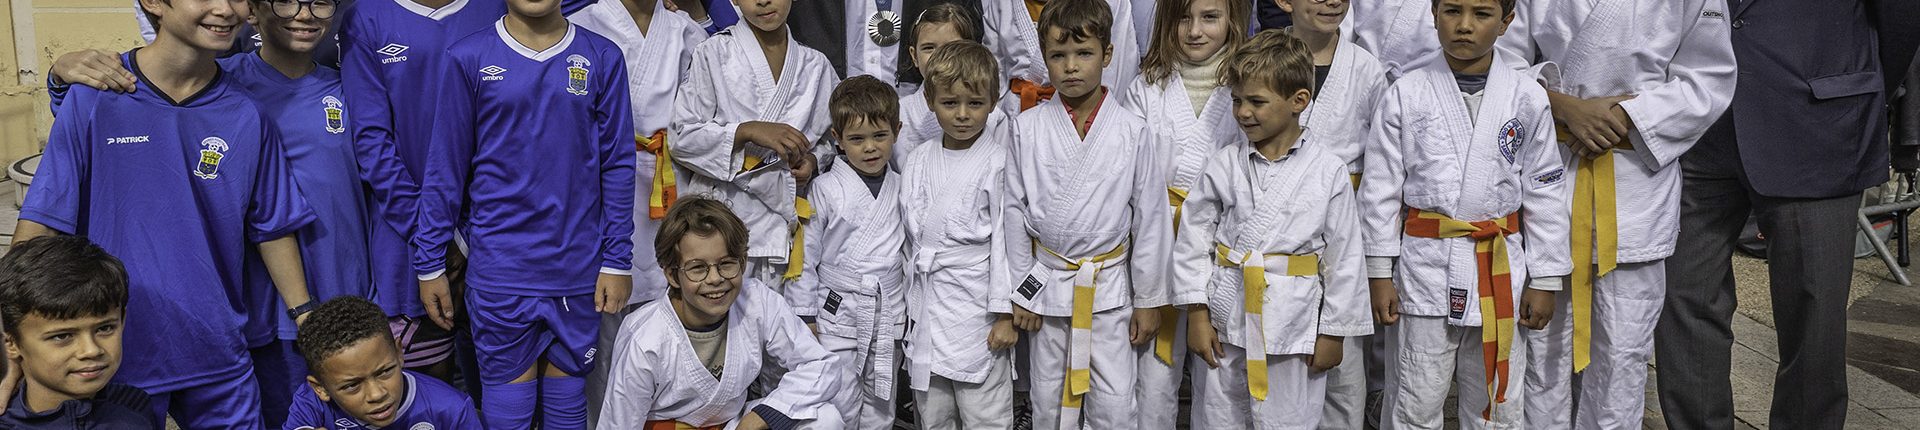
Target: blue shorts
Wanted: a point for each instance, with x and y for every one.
(512, 332)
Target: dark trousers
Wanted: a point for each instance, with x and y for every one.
(1810, 248)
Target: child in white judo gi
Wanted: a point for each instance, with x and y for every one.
(939, 25)
(1464, 202)
(1269, 260)
(1633, 86)
(1014, 32)
(854, 280)
(1086, 190)
(686, 362)
(1179, 91)
(959, 360)
(746, 122)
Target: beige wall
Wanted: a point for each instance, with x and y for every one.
(32, 33)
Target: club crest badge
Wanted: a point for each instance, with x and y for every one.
(577, 74)
(1512, 136)
(212, 149)
(336, 117)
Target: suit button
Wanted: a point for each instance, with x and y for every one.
(1739, 23)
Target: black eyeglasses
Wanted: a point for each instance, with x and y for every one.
(288, 9)
(698, 271)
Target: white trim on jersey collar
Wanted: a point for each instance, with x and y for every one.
(413, 390)
(540, 56)
(431, 13)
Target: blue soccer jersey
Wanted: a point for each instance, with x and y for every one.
(310, 113)
(390, 51)
(180, 191)
(428, 404)
(534, 161)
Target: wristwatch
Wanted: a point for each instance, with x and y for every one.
(303, 309)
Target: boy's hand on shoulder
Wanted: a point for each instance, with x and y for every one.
(1536, 308)
(1201, 337)
(1146, 322)
(1327, 353)
(1024, 319)
(1003, 335)
(610, 292)
(436, 295)
(1386, 301)
(94, 68)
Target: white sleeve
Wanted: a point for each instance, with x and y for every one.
(1380, 206)
(1001, 281)
(702, 142)
(806, 296)
(1152, 224)
(1199, 219)
(811, 378)
(630, 384)
(1345, 305)
(1018, 245)
(1670, 117)
(1545, 192)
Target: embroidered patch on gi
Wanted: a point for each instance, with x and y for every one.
(1457, 303)
(1031, 287)
(1713, 14)
(1511, 137)
(1549, 178)
(833, 303)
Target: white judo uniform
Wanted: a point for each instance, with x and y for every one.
(855, 285)
(658, 377)
(1478, 158)
(1188, 136)
(958, 283)
(1086, 214)
(919, 128)
(669, 35)
(1399, 32)
(729, 83)
(1676, 58)
(1291, 221)
(1337, 122)
(1012, 33)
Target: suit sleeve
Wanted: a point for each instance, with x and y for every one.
(448, 167)
(613, 115)
(812, 378)
(630, 383)
(1345, 308)
(58, 197)
(1545, 201)
(395, 191)
(1379, 202)
(1152, 224)
(702, 141)
(276, 207)
(1671, 116)
(1192, 259)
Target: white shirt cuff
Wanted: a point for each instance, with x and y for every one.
(1379, 267)
(613, 271)
(432, 276)
(1550, 283)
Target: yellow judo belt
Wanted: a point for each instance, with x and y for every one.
(1495, 287)
(664, 189)
(1080, 338)
(1253, 278)
(1163, 341)
(1596, 242)
(796, 254)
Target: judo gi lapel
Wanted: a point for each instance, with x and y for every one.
(1272, 205)
(1328, 112)
(1491, 152)
(1079, 162)
(772, 91)
(1194, 133)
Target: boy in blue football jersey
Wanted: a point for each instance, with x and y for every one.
(532, 162)
(180, 177)
(356, 379)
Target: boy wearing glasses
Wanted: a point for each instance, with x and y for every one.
(686, 362)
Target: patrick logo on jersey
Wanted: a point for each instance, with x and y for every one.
(212, 149)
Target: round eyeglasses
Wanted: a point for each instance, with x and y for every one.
(699, 271)
(288, 9)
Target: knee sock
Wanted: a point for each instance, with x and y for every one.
(509, 406)
(563, 402)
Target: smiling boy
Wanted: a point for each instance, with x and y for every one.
(63, 302)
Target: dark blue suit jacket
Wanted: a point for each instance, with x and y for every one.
(1809, 111)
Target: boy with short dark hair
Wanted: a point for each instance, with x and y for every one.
(1268, 259)
(1087, 228)
(549, 225)
(1465, 204)
(854, 277)
(959, 360)
(63, 302)
(686, 362)
(356, 375)
(188, 160)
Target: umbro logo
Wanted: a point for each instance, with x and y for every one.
(493, 73)
(392, 51)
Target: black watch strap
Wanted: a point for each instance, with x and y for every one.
(303, 309)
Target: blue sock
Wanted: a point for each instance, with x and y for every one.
(563, 402)
(509, 406)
